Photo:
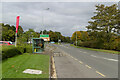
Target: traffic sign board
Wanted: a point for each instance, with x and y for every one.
(45, 37)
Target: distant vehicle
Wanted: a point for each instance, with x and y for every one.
(29, 42)
(52, 42)
(10, 42)
(5, 43)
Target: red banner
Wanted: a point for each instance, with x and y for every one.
(17, 23)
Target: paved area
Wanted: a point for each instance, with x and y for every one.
(81, 63)
(68, 67)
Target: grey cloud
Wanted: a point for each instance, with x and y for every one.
(64, 17)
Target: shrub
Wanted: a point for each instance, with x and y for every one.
(91, 44)
(9, 51)
(21, 49)
(28, 49)
(25, 48)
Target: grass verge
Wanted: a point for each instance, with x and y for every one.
(0, 70)
(14, 67)
(101, 50)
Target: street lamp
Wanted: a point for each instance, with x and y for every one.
(43, 18)
(76, 38)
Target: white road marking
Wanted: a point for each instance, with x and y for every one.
(75, 59)
(88, 66)
(104, 58)
(71, 57)
(80, 62)
(100, 74)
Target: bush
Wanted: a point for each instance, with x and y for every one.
(25, 48)
(113, 45)
(21, 49)
(118, 47)
(9, 51)
(91, 44)
(28, 49)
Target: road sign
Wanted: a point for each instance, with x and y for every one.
(45, 37)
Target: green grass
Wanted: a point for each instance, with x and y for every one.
(14, 67)
(0, 70)
(0, 62)
(101, 50)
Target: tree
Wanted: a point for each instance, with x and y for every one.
(104, 21)
(80, 36)
(7, 33)
(20, 31)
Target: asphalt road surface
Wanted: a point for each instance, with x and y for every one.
(101, 64)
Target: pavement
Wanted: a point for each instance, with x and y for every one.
(74, 62)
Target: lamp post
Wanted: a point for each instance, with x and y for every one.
(76, 38)
(43, 18)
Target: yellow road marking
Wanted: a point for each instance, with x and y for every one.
(88, 66)
(80, 62)
(100, 74)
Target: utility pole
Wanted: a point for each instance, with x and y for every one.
(76, 38)
(58, 39)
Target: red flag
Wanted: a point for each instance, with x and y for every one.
(17, 23)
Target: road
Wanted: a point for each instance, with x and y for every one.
(103, 64)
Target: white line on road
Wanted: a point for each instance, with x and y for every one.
(100, 74)
(75, 59)
(104, 58)
(84, 52)
(88, 66)
(80, 62)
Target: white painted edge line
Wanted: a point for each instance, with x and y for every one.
(88, 66)
(100, 74)
(80, 62)
(104, 58)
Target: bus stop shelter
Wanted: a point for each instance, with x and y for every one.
(38, 45)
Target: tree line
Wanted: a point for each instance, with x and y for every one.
(8, 34)
(103, 30)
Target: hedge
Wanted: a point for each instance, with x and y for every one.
(28, 49)
(115, 45)
(11, 50)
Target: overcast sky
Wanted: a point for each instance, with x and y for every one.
(65, 17)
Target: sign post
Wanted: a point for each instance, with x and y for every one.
(17, 24)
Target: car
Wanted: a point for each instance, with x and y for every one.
(10, 42)
(5, 43)
(52, 42)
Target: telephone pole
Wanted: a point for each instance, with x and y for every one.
(76, 38)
